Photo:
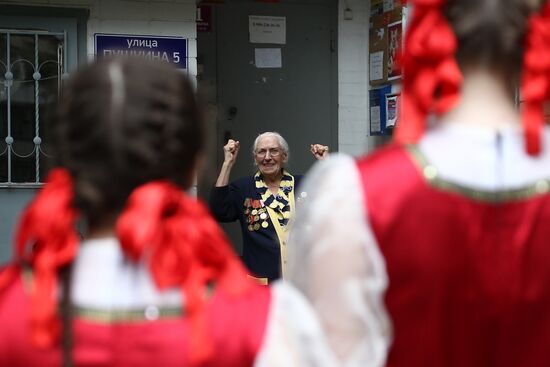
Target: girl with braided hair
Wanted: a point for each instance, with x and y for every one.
(434, 251)
(154, 281)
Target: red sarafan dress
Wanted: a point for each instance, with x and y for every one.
(148, 297)
(131, 333)
(446, 246)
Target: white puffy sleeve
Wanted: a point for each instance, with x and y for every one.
(293, 337)
(335, 262)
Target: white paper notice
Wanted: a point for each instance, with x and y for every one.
(267, 29)
(375, 118)
(391, 110)
(387, 5)
(376, 65)
(268, 58)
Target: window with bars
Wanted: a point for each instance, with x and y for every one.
(31, 70)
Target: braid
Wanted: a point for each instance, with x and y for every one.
(67, 316)
(127, 121)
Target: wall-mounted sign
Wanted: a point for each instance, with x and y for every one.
(264, 29)
(161, 48)
(392, 110)
(268, 58)
(204, 18)
(378, 110)
(395, 40)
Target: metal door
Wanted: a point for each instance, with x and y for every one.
(34, 57)
(298, 100)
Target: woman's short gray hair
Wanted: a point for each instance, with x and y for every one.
(282, 142)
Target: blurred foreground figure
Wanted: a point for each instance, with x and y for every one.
(435, 251)
(154, 282)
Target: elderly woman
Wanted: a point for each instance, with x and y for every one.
(263, 203)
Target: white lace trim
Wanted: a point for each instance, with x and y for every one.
(334, 260)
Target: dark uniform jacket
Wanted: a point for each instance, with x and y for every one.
(242, 200)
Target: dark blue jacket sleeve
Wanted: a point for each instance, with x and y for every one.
(224, 203)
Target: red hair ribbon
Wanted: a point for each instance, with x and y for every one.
(535, 84)
(431, 77)
(185, 248)
(46, 240)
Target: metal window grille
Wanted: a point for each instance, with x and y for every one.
(32, 67)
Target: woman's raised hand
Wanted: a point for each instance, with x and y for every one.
(230, 151)
(319, 151)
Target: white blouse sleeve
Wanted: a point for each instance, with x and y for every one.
(335, 262)
(293, 336)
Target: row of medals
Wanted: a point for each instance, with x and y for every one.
(255, 217)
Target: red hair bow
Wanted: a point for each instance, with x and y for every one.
(46, 240)
(431, 77)
(535, 86)
(185, 248)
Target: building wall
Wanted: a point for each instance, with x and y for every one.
(146, 17)
(353, 84)
(353, 77)
(177, 18)
(142, 17)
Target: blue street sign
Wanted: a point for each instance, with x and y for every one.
(168, 49)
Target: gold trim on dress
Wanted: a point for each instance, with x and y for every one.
(133, 315)
(149, 313)
(430, 174)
